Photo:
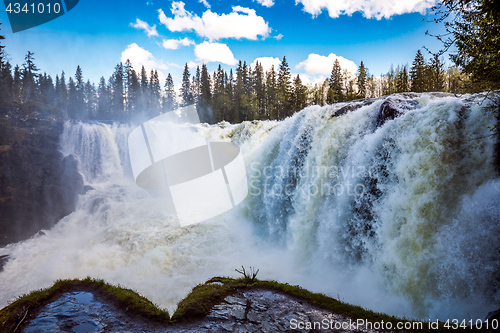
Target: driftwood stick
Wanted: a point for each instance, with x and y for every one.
(25, 314)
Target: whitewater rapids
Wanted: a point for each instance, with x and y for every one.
(399, 216)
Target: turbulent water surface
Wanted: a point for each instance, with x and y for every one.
(398, 215)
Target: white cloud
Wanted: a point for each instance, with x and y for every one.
(140, 57)
(311, 80)
(370, 8)
(192, 66)
(278, 37)
(205, 3)
(173, 44)
(241, 23)
(266, 63)
(266, 3)
(150, 30)
(318, 64)
(214, 52)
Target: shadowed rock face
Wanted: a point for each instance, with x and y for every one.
(38, 186)
(395, 106)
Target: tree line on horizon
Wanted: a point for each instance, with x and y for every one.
(245, 94)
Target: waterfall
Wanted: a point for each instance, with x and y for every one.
(101, 149)
(392, 204)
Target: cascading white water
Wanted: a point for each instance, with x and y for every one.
(401, 216)
(101, 149)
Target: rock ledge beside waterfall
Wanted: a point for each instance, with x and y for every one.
(38, 185)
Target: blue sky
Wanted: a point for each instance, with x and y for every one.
(165, 34)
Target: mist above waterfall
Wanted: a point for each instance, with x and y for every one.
(395, 208)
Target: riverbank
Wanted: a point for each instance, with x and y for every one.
(236, 305)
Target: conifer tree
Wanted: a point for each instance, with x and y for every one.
(391, 81)
(417, 73)
(6, 83)
(144, 98)
(133, 89)
(103, 100)
(241, 99)
(169, 99)
(29, 85)
(362, 75)
(78, 101)
(260, 90)
(46, 87)
(155, 93)
(185, 90)
(220, 99)
(90, 100)
(335, 93)
(284, 89)
(71, 97)
(203, 106)
(6, 80)
(473, 26)
(117, 101)
(298, 95)
(62, 94)
(402, 82)
(196, 85)
(230, 94)
(437, 72)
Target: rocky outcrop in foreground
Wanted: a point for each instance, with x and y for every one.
(251, 310)
(38, 185)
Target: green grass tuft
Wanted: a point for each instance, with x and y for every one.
(13, 316)
(197, 304)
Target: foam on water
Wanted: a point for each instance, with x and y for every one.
(401, 218)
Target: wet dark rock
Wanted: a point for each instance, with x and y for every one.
(493, 315)
(38, 185)
(394, 106)
(353, 106)
(3, 261)
(251, 310)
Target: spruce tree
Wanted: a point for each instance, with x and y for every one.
(220, 100)
(473, 26)
(417, 73)
(169, 100)
(144, 99)
(117, 101)
(90, 100)
(185, 90)
(284, 89)
(71, 97)
(29, 86)
(78, 101)
(437, 70)
(299, 95)
(402, 83)
(335, 92)
(203, 106)
(155, 93)
(260, 90)
(62, 95)
(362, 75)
(391, 81)
(271, 94)
(230, 94)
(103, 100)
(6, 80)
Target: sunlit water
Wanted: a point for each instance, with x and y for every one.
(401, 218)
